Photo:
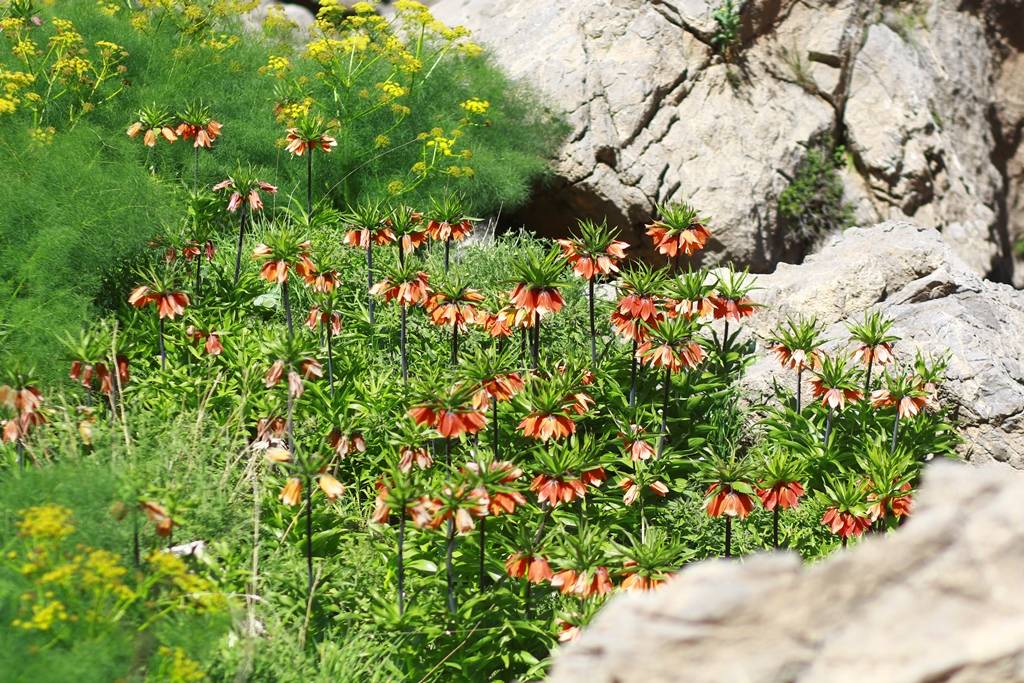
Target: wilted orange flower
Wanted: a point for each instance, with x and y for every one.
(211, 340)
(785, 495)
(635, 445)
(409, 293)
(797, 359)
(204, 134)
(325, 282)
(844, 524)
(882, 354)
(534, 567)
(298, 144)
(587, 265)
(444, 230)
(900, 505)
(449, 423)
(536, 300)
(500, 388)
(381, 504)
(502, 502)
(732, 309)
(157, 513)
(276, 270)
(833, 397)
(343, 444)
(168, 304)
(254, 198)
(668, 356)
(670, 242)
(325, 318)
(723, 500)
(557, 490)
(292, 492)
(544, 426)
(410, 454)
(907, 406)
(632, 490)
(361, 237)
(151, 135)
(331, 487)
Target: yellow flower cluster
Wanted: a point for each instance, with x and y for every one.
(108, 8)
(293, 111)
(276, 66)
(178, 667)
(13, 82)
(437, 141)
(25, 49)
(220, 42)
(476, 106)
(391, 90)
(381, 141)
(111, 51)
(44, 615)
(42, 136)
(45, 522)
(460, 171)
(72, 68)
(277, 21)
(172, 569)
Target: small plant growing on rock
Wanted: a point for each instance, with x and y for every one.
(812, 205)
(726, 38)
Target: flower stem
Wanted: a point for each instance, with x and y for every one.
(828, 426)
(799, 381)
(160, 340)
(369, 275)
(402, 343)
(195, 174)
(664, 412)
(728, 536)
(593, 328)
(447, 252)
(895, 431)
(330, 356)
(775, 526)
(455, 343)
(536, 341)
(400, 562)
(287, 307)
(199, 276)
(483, 550)
(309, 538)
(494, 419)
(449, 570)
(243, 213)
(309, 183)
(632, 375)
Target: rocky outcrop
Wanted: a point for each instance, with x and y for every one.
(925, 97)
(939, 600)
(940, 305)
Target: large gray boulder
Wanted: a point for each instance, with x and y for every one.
(939, 303)
(939, 600)
(925, 96)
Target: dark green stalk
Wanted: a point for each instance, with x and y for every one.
(242, 216)
(447, 251)
(309, 537)
(455, 343)
(199, 275)
(369, 274)
(287, 307)
(309, 182)
(483, 550)
(775, 526)
(402, 343)
(536, 341)
(448, 565)
(195, 174)
(895, 431)
(593, 327)
(494, 419)
(632, 375)
(664, 412)
(799, 380)
(728, 536)
(20, 448)
(828, 426)
(330, 353)
(400, 562)
(160, 341)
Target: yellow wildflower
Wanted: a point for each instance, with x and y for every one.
(45, 522)
(476, 106)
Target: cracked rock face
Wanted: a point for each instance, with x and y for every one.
(925, 96)
(938, 600)
(939, 303)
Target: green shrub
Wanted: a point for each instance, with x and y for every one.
(812, 205)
